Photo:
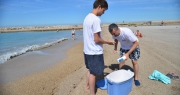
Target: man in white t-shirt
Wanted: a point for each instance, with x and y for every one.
(129, 47)
(93, 44)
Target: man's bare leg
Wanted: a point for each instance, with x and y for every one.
(87, 80)
(92, 79)
(136, 69)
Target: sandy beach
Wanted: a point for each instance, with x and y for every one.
(60, 69)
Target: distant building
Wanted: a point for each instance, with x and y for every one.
(149, 22)
(162, 23)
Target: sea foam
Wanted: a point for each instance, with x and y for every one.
(7, 56)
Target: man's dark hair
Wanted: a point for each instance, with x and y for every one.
(113, 26)
(102, 3)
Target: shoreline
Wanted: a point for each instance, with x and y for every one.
(79, 27)
(67, 77)
(34, 61)
(32, 48)
(41, 29)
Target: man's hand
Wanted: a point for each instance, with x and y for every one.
(110, 42)
(127, 56)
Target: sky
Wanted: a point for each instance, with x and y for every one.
(17, 13)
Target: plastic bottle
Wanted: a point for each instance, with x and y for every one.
(121, 59)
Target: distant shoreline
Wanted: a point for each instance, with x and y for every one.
(40, 29)
(78, 27)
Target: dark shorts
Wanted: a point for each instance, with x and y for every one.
(135, 55)
(73, 33)
(95, 63)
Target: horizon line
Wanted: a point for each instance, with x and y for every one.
(82, 24)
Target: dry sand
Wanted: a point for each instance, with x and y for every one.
(160, 50)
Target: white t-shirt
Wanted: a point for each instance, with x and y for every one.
(91, 25)
(126, 38)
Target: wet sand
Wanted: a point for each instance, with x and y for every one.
(58, 73)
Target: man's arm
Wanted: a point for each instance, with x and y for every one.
(115, 45)
(135, 44)
(99, 40)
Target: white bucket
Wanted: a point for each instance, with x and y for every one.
(119, 82)
(120, 76)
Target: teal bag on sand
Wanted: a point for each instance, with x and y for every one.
(156, 75)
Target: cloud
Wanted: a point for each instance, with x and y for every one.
(151, 7)
(42, 1)
(78, 6)
(45, 5)
(177, 5)
(38, 0)
(161, 7)
(139, 2)
(28, 6)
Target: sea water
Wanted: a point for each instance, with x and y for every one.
(17, 43)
